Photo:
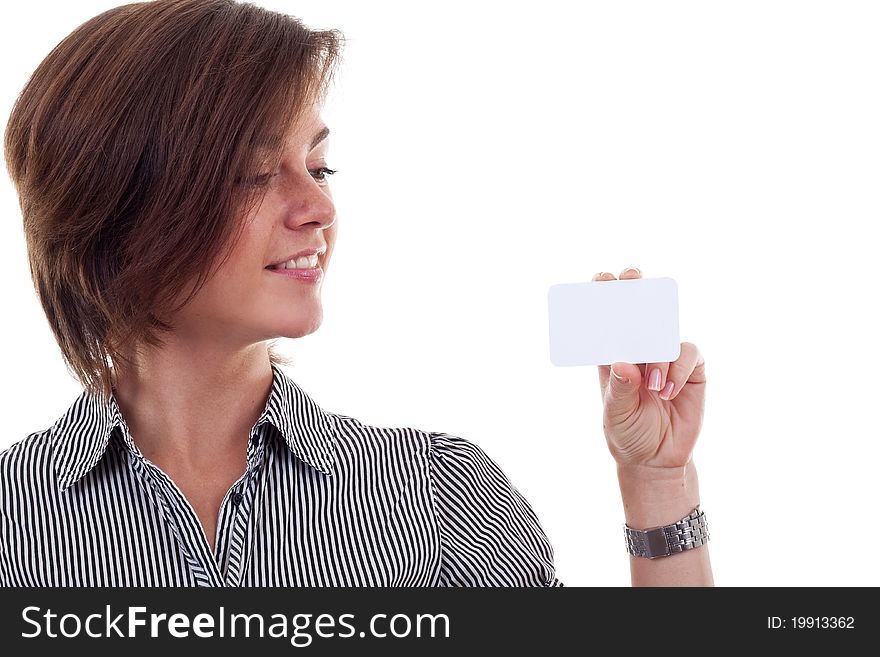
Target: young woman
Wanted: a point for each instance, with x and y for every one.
(170, 159)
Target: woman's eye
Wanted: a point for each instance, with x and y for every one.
(323, 172)
(263, 179)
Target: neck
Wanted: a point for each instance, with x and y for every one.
(191, 404)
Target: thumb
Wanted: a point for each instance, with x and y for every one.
(624, 383)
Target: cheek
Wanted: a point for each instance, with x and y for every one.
(244, 264)
(239, 282)
(239, 278)
(234, 282)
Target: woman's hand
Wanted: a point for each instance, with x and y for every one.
(651, 435)
(642, 426)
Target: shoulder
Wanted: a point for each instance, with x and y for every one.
(356, 438)
(28, 457)
(451, 448)
(25, 471)
(354, 435)
(457, 459)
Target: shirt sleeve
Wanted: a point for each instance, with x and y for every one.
(5, 576)
(5, 579)
(489, 534)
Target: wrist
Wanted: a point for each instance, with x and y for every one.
(655, 496)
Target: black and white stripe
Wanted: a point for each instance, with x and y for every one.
(325, 501)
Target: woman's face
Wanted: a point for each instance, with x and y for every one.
(244, 302)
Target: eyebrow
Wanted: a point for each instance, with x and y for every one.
(274, 140)
(320, 136)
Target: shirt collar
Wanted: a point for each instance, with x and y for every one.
(80, 436)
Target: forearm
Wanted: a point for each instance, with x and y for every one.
(661, 496)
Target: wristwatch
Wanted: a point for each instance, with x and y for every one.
(686, 534)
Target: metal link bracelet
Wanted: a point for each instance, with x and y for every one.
(688, 533)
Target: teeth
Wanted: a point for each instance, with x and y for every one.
(303, 262)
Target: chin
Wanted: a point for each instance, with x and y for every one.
(300, 327)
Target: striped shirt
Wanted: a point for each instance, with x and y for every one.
(325, 500)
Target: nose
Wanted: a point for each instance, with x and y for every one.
(308, 203)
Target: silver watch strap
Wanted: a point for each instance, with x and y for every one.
(686, 534)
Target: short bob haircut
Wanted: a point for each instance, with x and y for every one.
(133, 147)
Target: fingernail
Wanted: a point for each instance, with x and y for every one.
(654, 379)
(667, 391)
(618, 377)
(633, 269)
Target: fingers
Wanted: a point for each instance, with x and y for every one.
(688, 368)
(628, 273)
(667, 379)
(657, 374)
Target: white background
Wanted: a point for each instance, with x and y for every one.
(487, 150)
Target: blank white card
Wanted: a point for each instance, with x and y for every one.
(602, 322)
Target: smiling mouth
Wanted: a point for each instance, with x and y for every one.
(303, 262)
(309, 275)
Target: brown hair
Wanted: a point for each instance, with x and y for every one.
(128, 146)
